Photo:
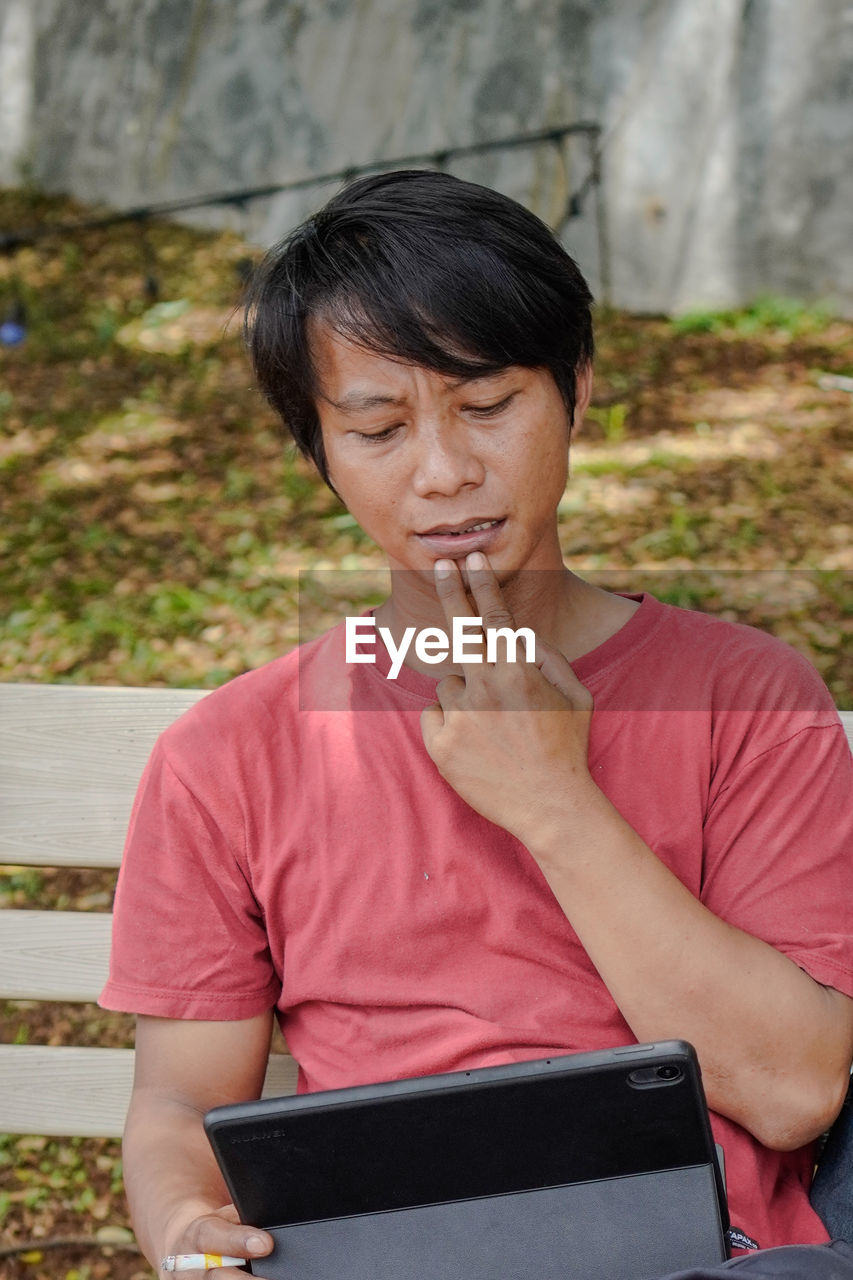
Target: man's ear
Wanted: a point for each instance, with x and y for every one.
(583, 394)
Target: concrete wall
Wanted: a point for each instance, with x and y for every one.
(728, 130)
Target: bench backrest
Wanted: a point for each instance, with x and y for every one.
(70, 761)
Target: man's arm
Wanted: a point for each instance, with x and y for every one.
(177, 1198)
(775, 1046)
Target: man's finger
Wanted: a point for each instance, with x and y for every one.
(558, 671)
(486, 590)
(450, 590)
(228, 1211)
(432, 722)
(214, 1234)
(448, 691)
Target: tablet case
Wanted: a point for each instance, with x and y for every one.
(593, 1166)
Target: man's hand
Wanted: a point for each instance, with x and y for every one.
(221, 1233)
(510, 766)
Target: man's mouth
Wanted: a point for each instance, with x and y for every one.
(459, 540)
(457, 530)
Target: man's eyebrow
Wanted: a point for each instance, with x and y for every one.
(359, 401)
(362, 401)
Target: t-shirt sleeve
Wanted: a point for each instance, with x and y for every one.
(779, 848)
(188, 934)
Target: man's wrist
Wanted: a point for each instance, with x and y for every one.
(559, 825)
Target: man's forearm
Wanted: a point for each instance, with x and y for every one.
(177, 1197)
(171, 1175)
(774, 1045)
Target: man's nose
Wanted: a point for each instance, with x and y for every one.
(445, 461)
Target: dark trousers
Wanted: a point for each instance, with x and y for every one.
(794, 1262)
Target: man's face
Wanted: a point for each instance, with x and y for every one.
(433, 467)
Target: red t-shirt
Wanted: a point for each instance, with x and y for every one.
(292, 844)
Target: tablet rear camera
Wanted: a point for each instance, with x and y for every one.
(669, 1073)
(655, 1077)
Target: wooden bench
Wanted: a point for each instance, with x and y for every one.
(70, 760)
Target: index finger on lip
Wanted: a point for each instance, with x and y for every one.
(451, 590)
(485, 588)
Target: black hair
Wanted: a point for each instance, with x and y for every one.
(422, 267)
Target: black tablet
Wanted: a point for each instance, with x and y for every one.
(591, 1165)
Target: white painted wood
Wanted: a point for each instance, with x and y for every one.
(58, 1090)
(54, 955)
(72, 1091)
(70, 760)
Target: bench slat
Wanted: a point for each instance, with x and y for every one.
(70, 761)
(66, 1091)
(54, 955)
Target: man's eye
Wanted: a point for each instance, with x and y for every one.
(490, 410)
(376, 437)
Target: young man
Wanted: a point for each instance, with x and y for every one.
(643, 834)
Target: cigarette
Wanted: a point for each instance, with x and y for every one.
(199, 1262)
